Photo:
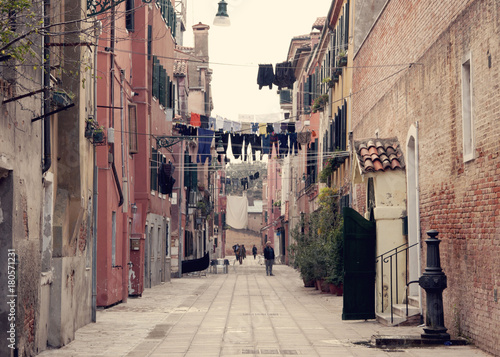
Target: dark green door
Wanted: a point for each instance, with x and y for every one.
(359, 267)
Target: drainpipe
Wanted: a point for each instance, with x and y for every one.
(417, 210)
(179, 205)
(112, 102)
(94, 189)
(46, 162)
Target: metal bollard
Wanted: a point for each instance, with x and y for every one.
(226, 266)
(434, 281)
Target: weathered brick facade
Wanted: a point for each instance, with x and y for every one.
(459, 199)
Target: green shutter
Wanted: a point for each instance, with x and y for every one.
(156, 77)
(161, 89)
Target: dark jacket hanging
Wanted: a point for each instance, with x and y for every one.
(265, 76)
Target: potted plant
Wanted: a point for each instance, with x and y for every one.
(98, 135)
(320, 102)
(342, 59)
(328, 81)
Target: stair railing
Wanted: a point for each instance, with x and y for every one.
(387, 257)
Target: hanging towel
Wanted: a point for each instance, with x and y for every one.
(265, 76)
(195, 120)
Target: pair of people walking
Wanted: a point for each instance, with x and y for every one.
(240, 252)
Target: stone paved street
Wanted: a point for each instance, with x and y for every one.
(242, 313)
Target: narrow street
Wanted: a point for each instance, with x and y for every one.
(240, 313)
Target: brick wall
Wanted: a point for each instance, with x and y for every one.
(242, 236)
(460, 200)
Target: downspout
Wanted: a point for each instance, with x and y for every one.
(112, 102)
(125, 246)
(417, 210)
(46, 162)
(179, 204)
(94, 190)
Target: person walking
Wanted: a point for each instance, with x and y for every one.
(254, 251)
(269, 257)
(236, 249)
(243, 251)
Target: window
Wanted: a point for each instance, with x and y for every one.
(129, 15)
(132, 128)
(113, 238)
(155, 158)
(467, 119)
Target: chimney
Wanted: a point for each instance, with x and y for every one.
(200, 32)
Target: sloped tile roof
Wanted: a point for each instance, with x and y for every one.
(319, 23)
(377, 155)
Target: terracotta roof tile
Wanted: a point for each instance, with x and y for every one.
(379, 154)
(319, 23)
(180, 67)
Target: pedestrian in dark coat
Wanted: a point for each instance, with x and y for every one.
(254, 251)
(269, 257)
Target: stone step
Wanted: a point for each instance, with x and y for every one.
(400, 310)
(385, 319)
(413, 301)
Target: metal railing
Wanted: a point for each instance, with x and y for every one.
(388, 257)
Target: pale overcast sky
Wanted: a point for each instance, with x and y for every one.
(260, 32)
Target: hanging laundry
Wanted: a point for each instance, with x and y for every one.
(246, 128)
(265, 76)
(204, 142)
(255, 141)
(204, 121)
(262, 128)
(236, 127)
(285, 75)
(195, 120)
(304, 137)
(293, 143)
(244, 183)
(266, 144)
(274, 141)
(270, 128)
(255, 128)
(164, 176)
(277, 128)
(283, 140)
(236, 144)
(284, 127)
(219, 122)
(291, 127)
(251, 177)
(212, 124)
(256, 175)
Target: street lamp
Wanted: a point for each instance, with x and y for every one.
(222, 18)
